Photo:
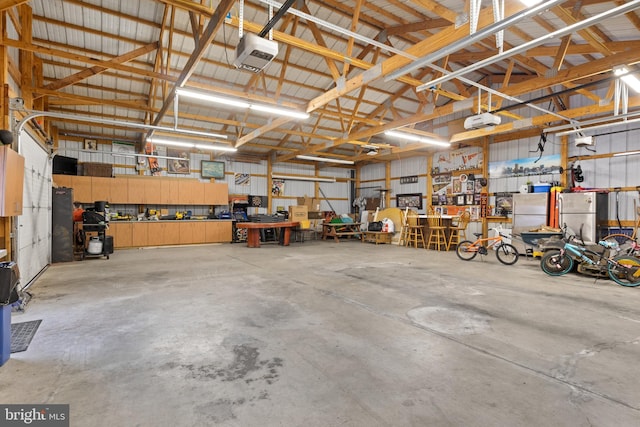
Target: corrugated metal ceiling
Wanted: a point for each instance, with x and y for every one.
(71, 36)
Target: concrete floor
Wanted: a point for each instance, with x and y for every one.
(326, 334)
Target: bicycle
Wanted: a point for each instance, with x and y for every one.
(623, 269)
(505, 252)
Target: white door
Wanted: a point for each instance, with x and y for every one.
(33, 238)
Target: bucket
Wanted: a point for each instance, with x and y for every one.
(100, 206)
(95, 246)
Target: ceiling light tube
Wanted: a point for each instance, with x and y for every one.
(242, 104)
(626, 153)
(279, 111)
(302, 178)
(631, 80)
(215, 147)
(134, 155)
(325, 159)
(473, 38)
(160, 141)
(570, 29)
(211, 98)
(604, 125)
(417, 138)
(590, 122)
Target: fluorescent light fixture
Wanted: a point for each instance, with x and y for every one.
(212, 98)
(241, 104)
(591, 122)
(134, 155)
(604, 125)
(632, 81)
(324, 159)
(302, 178)
(417, 138)
(171, 142)
(626, 153)
(530, 3)
(215, 147)
(279, 111)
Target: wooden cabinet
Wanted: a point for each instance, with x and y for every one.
(218, 231)
(216, 194)
(152, 191)
(139, 234)
(82, 189)
(119, 191)
(169, 192)
(136, 190)
(144, 190)
(11, 181)
(122, 233)
(63, 181)
(101, 189)
(185, 192)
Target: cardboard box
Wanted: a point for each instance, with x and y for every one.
(315, 215)
(311, 203)
(298, 213)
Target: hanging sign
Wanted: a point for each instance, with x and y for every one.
(409, 179)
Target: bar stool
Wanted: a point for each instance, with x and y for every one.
(404, 229)
(437, 232)
(458, 228)
(415, 233)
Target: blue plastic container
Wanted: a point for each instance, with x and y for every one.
(5, 333)
(541, 188)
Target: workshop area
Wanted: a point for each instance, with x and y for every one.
(325, 334)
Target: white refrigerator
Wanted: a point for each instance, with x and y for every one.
(586, 214)
(530, 211)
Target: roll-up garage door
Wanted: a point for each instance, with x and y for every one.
(33, 238)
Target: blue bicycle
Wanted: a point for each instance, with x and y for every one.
(622, 269)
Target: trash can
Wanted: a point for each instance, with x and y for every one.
(5, 333)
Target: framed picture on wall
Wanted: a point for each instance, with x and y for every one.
(413, 201)
(179, 163)
(211, 169)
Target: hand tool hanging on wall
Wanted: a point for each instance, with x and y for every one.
(617, 190)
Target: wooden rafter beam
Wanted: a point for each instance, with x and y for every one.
(6, 4)
(97, 69)
(216, 21)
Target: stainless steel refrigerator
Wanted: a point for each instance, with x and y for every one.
(586, 214)
(530, 211)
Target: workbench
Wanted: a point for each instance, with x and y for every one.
(253, 231)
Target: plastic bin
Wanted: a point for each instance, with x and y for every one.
(5, 333)
(541, 188)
